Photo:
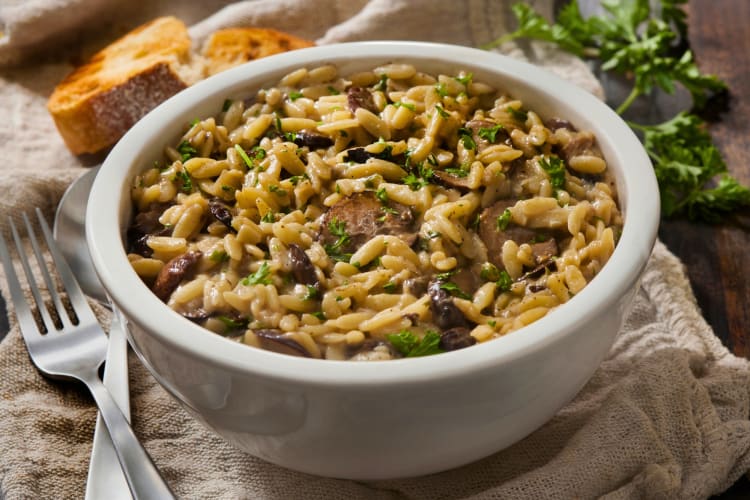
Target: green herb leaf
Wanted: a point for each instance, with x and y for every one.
(407, 105)
(454, 290)
(233, 323)
(294, 95)
(504, 219)
(555, 169)
(227, 104)
(185, 180)
(219, 256)
(411, 346)
(259, 277)
(489, 133)
(686, 162)
(186, 151)
(504, 282)
(465, 78)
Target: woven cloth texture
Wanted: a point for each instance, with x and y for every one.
(664, 416)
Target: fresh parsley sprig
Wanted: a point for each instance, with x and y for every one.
(630, 38)
(648, 42)
(685, 162)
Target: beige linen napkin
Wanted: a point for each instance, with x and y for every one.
(665, 415)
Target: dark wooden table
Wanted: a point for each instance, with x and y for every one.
(716, 257)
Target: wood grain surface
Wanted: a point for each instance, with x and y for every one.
(716, 257)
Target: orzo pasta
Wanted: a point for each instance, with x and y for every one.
(377, 215)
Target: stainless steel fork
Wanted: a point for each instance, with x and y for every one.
(74, 347)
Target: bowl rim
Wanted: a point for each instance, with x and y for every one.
(622, 271)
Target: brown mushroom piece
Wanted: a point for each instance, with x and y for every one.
(450, 180)
(359, 97)
(312, 139)
(173, 272)
(144, 225)
(555, 123)
(278, 341)
(445, 313)
(303, 269)
(363, 216)
(456, 338)
(481, 133)
(580, 143)
(220, 211)
(494, 236)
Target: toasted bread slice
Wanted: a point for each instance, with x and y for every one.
(99, 101)
(233, 46)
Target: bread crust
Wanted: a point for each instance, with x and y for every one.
(233, 46)
(99, 101)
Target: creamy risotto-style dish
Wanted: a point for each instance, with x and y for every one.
(379, 215)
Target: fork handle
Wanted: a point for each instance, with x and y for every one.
(144, 479)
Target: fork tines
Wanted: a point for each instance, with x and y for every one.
(60, 315)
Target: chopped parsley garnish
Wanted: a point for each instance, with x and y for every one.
(492, 323)
(455, 290)
(414, 182)
(441, 90)
(268, 217)
(259, 277)
(458, 172)
(410, 346)
(258, 153)
(295, 179)
(407, 105)
(382, 195)
(219, 256)
(244, 156)
(504, 219)
(226, 188)
(338, 229)
(312, 293)
(186, 151)
(442, 112)
(504, 282)
(277, 190)
(227, 104)
(518, 114)
(465, 136)
(319, 314)
(233, 323)
(555, 168)
(294, 95)
(465, 79)
(489, 133)
(390, 287)
(489, 272)
(185, 180)
(382, 83)
(333, 90)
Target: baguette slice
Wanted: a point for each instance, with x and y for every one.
(98, 102)
(233, 46)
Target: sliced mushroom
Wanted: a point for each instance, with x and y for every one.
(363, 216)
(456, 338)
(303, 269)
(555, 123)
(146, 224)
(359, 97)
(416, 286)
(313, 140)
(278, 341)
(451, 180)
(174, 272)
(494, 236)
(220, 211)
(445, 313)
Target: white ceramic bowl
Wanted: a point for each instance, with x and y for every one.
(372, 420)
